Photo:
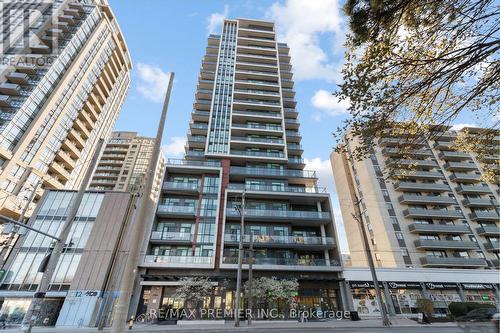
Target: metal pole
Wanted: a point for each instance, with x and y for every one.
(9, 220)
(250, 280)
(33, 311)
(240, 262)
(139, 226)
(359, 217)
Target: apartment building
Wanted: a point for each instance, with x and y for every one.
(64, 74)
(243, 138)
(87, 278)
(124, 162)
(425, 209)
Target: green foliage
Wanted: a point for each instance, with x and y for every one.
(193, 289)
(272, 289)
(458, 309)
(425, 305)
(412, 65)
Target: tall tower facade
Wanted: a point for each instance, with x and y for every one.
(439, 213)
(124, 162)
(243, 138)
(64, 74)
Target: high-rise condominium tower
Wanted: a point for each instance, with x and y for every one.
(64, 73)
(244, 138)
(439, 214)
(124, 162)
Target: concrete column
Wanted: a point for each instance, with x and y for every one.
(155, 298)
(425, 292)
(388, 299)
(497, 293)
(461, 293)
(346, 296)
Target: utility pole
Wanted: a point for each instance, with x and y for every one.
(241, 210)
(33, 310)
(12, 237)
(250, 280)
(358, 216)
(139, 226)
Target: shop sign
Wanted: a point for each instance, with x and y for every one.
(404, 285)
(364, 284)
(440, 285)
(477, 286)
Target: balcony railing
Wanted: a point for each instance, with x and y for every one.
(273, 172)
(431, 199)
(460, 166)
(269, 83)
(417, 163)
(431, 187)
(277, 188)
(464, 177)
(181, 162)
(180, 186)
(172, 209)
(256, 101)
(258, 126)
(418, 174)
(171, 236)
(432, 213)
(439, 228)
(268, 213)
(178, 259)
(258, 92)
(451, 262)
(255, 139)
(296, 160)
(487, 230)
(492, 246)
(258, 153)
(275, 239)
(445, 244)
(473, 189)
(484, 215)
(453, 155)
(284, 261)
(253, 113)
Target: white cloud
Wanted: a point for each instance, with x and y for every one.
(175, 148)
(324, 173)
(458, 127)
(328, 104)
(152, 82)
(301, 24)
(215, 20)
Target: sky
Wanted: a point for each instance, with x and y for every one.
(170, 36)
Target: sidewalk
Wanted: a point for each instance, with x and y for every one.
(229, 326)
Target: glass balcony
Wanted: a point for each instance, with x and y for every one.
(484, 215)
(292, 134)
(417, 187)
(177, 259)
(454, 155)
(199, 126)
(439, 228)
(489, 230)
(400, 141)
(259, 126)
(443, 144)
(464, 177)
(432, 213)
(277, 188)
(195, 153)
(255, 113)
(273, 172)
(296, 160)
(181, 162)
(492, 247)
(257, 92)
(413, 174)
(258, 153)
(281, 240)
(258, 102)
(255, 139)
(416, 163)
(459, 166)
(176, 210)
(284, 261)
(258, 82)
(397, 152)
(445, 244)
(452, 262)
(5, 100)
(423, 199)
(171, 237)
(474, 189)
(190, 187)
(279, 214)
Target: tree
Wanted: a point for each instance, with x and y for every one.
(193, 290)
(414, 64)
(269, 290)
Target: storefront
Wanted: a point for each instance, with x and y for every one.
(404, 296)
(442, 294)
(479, 293)
(364, 297)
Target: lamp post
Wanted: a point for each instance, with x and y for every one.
(241, 210)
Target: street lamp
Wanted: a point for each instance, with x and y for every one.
(241, 210)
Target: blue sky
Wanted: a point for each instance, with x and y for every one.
(165, 36)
